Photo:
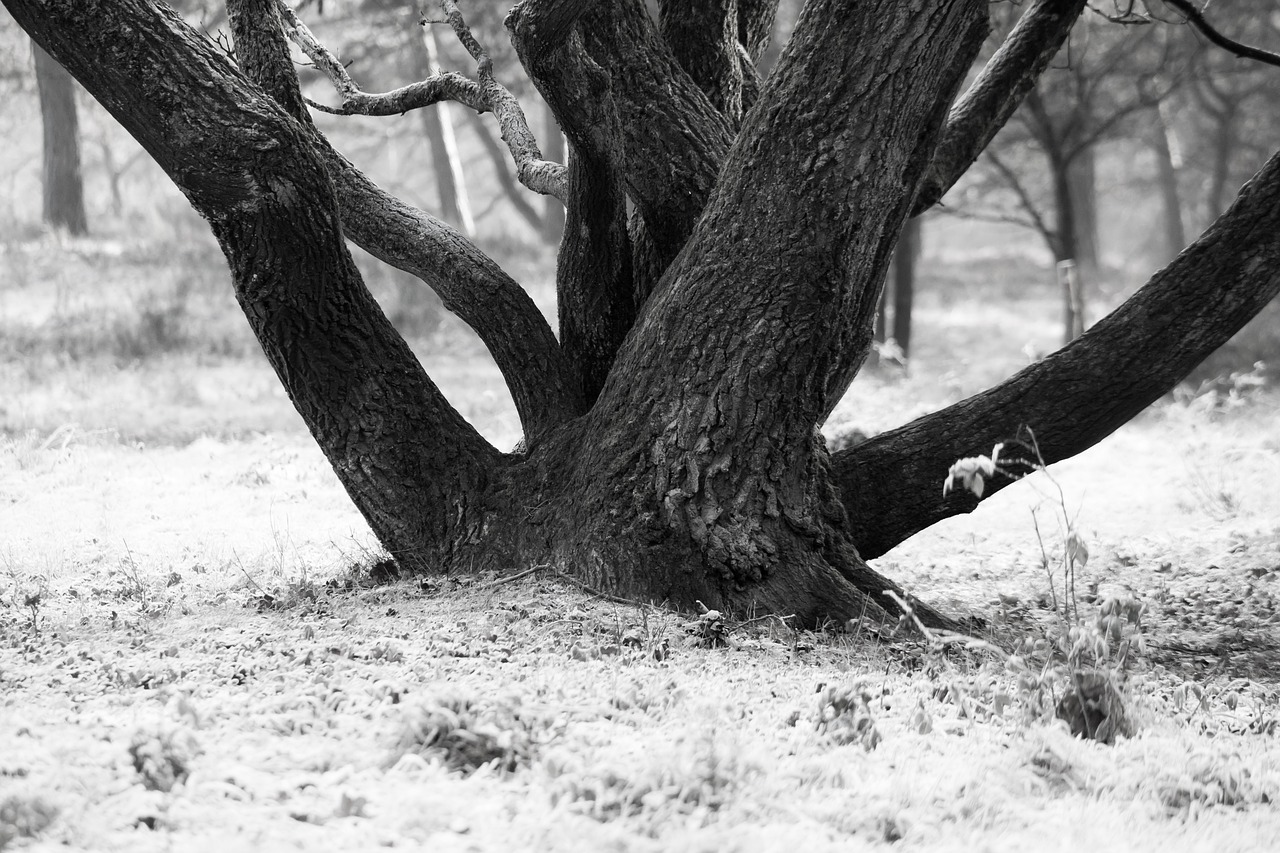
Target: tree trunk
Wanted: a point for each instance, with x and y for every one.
(697, 473)
(1224, 147)
(904, 283)
(1082, 182)
(63, 185)
(446, 165)
(1163, 146)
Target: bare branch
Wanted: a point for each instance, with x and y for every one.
(891, 484)
(1244, 51)
(1024, 198)
(1007, 78)
(468, 282)
(445, 86)
(537, 174)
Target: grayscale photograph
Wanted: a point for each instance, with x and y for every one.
(640, 426)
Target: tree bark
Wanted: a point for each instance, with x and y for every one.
(697, 473)
(400, 450)
(62, 180)
(705, 430)
(1076, 397)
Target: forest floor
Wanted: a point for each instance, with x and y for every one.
(193, 655)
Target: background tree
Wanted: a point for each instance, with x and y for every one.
(1041, 171)
(63, 184)
(670, 445)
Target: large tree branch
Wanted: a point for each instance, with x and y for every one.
(990, 101)
(406, 457)
(594, 283)
(441, 86)
(468, 282)
(755, 25)
(892, 484)
(703, 37)
(674, 138)
(765, 316)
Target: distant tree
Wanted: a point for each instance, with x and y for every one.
(450, 182)
(63, 183)
(670, 448)
(1231, 109)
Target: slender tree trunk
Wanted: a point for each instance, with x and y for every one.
(451, 184)
(904, 283)
(1224, 147)
(1066, 243)
(63, 184)
(1164, 145)
(1082, 183)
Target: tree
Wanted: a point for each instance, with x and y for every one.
(670, 446)
(63, 185)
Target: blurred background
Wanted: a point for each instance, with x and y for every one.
(117, 316)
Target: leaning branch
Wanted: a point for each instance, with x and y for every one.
(990, 101)
(537, 174)
(892, 484)
(467, 281)
(445, 86)
(1244, 51)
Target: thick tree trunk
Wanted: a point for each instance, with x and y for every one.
(1076, 397)
(63, 184)
(703, 478)
(696, 474)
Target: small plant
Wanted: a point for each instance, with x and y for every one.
(709, 629)
(24, 817)
(1082, 664)
(163, 758)
(844, 715)
(468, 733)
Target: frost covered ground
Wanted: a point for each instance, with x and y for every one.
(193, 655)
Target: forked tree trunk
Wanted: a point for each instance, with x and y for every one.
(63, 183)
(696, 473)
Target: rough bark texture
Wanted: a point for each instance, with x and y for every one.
(892, 484)
(697, 473)
(703, 35)
(703, 465)
(402, 453)
(994, 97)
(467, 281)
(62, 182)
